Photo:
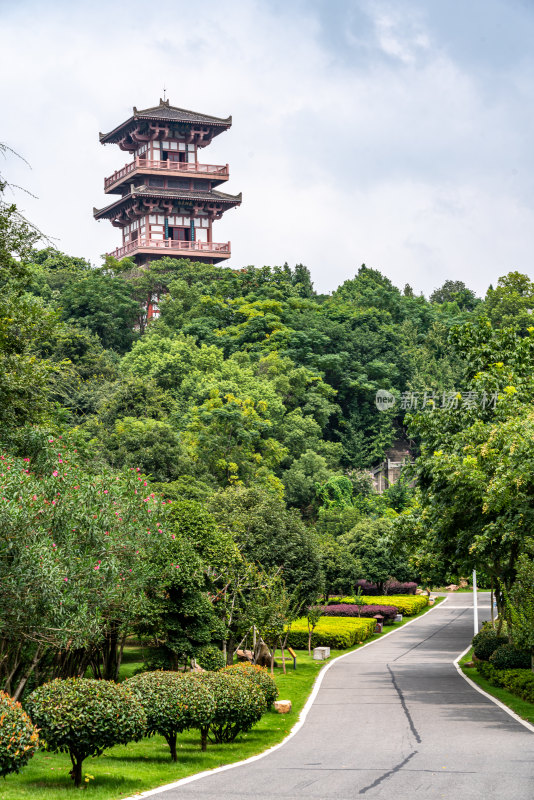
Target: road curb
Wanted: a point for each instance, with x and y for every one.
(296, 727)
(489, 696)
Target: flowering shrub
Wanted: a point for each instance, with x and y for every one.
(173, 702)
(239, 704)
(338, 633)
(83, 717)
(18, 736)
(351, 610)
(260, 676)
(407, 605)
(80, 540)
(390, 587)
(210, 657)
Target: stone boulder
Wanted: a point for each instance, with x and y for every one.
(282, 706)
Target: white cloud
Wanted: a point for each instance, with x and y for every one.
(402, 158)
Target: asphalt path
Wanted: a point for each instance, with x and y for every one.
(394, 720)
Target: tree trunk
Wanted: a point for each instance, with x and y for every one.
(171, 741)
(230, 651)
(203, 739)
(22, 683)
(76, 771)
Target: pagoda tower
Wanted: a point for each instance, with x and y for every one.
(167, 200)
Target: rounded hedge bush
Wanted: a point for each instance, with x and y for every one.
(239, 704)
(210, 658)
(259, 676)
(18, 736)
(174, 702)
(486, 642)
(84, 717)
(508, 656)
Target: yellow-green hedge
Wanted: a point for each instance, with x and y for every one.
(338, 633)
(408, 604)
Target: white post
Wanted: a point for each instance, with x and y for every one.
(475, 602)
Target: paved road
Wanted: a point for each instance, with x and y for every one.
(393, 721)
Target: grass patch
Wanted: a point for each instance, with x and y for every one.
(125, 770)
(522, 708)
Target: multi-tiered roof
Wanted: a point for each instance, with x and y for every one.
(167, 199)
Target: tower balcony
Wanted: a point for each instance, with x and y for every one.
(144, 166)
(214, 251)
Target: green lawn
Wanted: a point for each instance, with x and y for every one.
(126, 770)
(522, 708)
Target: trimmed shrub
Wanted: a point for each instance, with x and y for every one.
(517, 681)
(239, 704)
(486, 642)
(260, 676)
(83, 717)
(508, 656)
(210, 658)
(390, 587)
(407, 605)
(335, 632)
(18, 736)
(351, 610)
(173, 702)
(395, 587)
(520, 682)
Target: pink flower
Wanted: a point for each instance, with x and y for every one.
(55, 473)
(26, 459)
(173, 536)
(65, 579)
(60, 460)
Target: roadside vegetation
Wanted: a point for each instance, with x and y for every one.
(201, 485)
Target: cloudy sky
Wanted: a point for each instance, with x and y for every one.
(399, 134)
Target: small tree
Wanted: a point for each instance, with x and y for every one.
(173, 702)
(84, 717)
(358, 600)
(259, 676)
(239, 704)
(18, 736)
(313, 615)
(519, 606)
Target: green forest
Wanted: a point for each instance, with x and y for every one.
(184, 480)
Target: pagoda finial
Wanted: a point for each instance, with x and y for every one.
(164, 102)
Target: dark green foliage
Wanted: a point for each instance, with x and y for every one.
(517, 681)
(239, 704)
(508, 656)
(103, 304)
(18, 736)
(486, 642)
(84, 717)
(210, 658)
(173, 702)
(259, 676)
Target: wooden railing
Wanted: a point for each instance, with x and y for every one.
(180, 167)
(171, 244)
